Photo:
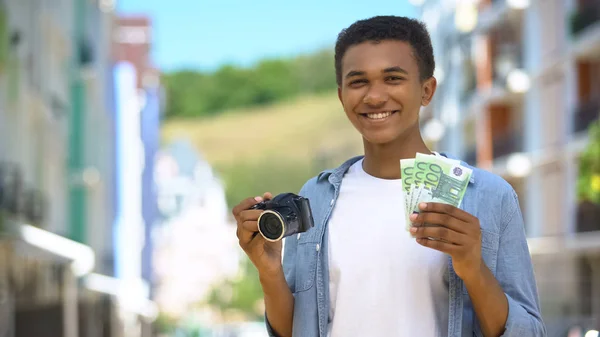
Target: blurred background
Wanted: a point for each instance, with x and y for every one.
(129, 128)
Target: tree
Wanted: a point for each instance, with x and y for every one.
(193, 93)
(241, 295)
(588, 182)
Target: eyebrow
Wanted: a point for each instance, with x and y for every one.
(396, 69)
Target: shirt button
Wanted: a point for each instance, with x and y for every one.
(318, 247)
(332, 201)
(299, 236)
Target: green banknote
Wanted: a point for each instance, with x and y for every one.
(407, 172)
(432, 178)
(426, 175)
(440, 180)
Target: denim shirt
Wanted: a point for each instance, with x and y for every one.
(504, 250)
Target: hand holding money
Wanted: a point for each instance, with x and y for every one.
(432, 178)
(452, 231)
(434, 187)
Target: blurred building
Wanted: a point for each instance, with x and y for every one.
(47, 77)
(137, 116)
(196, 247)
(150, 132)
(519, 85)
(59, 180)
(132, 43)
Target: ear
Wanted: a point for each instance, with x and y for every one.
(340, 95)
(428, 90)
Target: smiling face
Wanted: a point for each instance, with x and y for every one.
(381, 90)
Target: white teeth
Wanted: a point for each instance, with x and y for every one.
(379, 115)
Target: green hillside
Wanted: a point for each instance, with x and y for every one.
(275, 148)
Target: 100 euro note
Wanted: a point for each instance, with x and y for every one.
(407, 170)
(427, 173)
(440, 179)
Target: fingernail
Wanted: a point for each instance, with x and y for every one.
(413, 229)
(423, 205)
(259, 199)
(413, 217)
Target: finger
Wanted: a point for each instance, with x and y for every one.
(267, 196)
(439, 219)
(441, 246)
(440, 233)
(249, 215)
(249, 226)
(453, 211)
(247, 232)
(244, 205)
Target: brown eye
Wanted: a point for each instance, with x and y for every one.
(395, 78)
(358, 82)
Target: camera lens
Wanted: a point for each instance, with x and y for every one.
(271, 226)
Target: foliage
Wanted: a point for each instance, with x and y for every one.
(588, 182)
(200, 94)
(165, 324)
(240, 294)
(244, 179)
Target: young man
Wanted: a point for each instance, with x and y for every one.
(358, 272)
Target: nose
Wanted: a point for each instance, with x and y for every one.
(376, 96)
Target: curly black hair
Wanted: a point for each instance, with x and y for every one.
(380, 28)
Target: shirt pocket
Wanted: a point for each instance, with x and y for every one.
(306, 265)
(490, 242)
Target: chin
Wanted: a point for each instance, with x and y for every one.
(380, 138)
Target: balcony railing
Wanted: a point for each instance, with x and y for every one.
(507, 144)
(585, 16)
(588, 217)
(586, 114)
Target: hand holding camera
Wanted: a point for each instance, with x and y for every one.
(263, 222)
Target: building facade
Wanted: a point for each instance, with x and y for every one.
(58, 180)
(518, 87)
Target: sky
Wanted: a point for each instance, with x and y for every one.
(203, 35)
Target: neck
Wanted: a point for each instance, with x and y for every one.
(383, 160)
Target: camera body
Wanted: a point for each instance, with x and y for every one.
(284, 215)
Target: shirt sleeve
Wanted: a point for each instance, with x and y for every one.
(289, 259)
(516, 276)
(289, 254)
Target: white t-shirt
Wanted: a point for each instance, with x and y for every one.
(382, 282)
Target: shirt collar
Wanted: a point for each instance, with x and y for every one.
(335, 175)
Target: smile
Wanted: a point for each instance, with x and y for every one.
(379, 115)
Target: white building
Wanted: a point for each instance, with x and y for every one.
(195, 246)
(519, 83)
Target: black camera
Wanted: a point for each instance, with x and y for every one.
(284, 215)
